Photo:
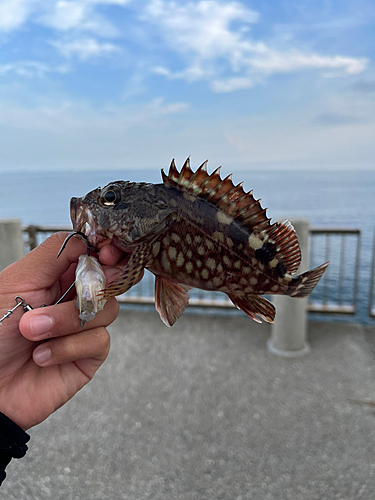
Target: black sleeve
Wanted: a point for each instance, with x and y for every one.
(12, 443)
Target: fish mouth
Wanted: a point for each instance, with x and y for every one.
(83, 222)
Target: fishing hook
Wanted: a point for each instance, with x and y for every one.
(74, 233)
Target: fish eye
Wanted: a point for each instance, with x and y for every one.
(111, 196)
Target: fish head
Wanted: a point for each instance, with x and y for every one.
(105, 213)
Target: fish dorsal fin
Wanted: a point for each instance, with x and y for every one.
(284, 240)
(227, 197)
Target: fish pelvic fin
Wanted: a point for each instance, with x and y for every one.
(255, 306)
(307, 281)
(171, 300)
(129, 275)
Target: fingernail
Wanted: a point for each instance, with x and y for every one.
(40, 325)
(41, 355)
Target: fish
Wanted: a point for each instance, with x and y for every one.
(195, 230)
(89, 281)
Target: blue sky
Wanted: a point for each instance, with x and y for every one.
(93, 84)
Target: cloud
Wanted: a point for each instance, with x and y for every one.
(31, 69)
(13, 13)
(213, 39)
(232, 84)
(84, 48)
(157, 107)
(61, 15)
(210, 41)
(77, 15)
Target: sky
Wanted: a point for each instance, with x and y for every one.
(116, 84)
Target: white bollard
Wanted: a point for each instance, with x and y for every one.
(12, 246)
(289, 331)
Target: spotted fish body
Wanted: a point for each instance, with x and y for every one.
(195, 230)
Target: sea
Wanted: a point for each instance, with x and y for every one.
(327, 198)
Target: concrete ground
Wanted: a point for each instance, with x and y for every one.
(203, 411)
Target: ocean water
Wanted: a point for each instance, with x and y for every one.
(327, 198)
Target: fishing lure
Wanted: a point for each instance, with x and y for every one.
(90, 280)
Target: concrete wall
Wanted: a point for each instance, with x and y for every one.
(12, 246)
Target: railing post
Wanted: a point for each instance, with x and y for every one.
(289, 331)
(11, 242)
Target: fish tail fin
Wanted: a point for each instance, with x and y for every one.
(254, 306)
(306, 282)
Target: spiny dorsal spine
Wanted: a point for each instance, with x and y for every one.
(231, 199)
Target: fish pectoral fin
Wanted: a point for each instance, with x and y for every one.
(253, 306)
(171, 300)
(129, 275)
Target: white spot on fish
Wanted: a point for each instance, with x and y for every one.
(189, 254)
(229, 242)
(220, 268)
(246, 270)
(188, 239)
(198, 263)
(172, 252)
(217, 281)
(205, 274)
(165, 262)
(273, 263)
(227, 261)
(197, 239)
(275, 288)
(166, 241)
(201, 250)
(210, 263)
(223, 218)
(180, 260)
(253, 281)
(255, 242)
(189, 267)
(209, 244)
(175, 238)
(218, 236)
(237, 264)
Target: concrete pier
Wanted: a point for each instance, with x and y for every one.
(202, 411)
(289, 331)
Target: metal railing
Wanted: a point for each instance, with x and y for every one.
(336, 292)
(371, 303)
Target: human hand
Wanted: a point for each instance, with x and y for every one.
(45, 357)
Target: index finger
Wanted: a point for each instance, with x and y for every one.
(40, 268)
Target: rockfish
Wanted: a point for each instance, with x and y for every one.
(195, 230)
